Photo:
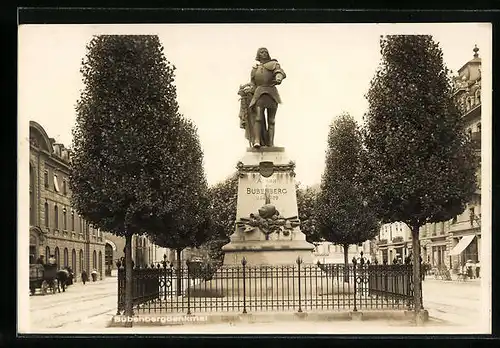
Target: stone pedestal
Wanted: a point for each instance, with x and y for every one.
(267, 177)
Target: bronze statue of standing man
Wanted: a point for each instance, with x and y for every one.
(265, 75)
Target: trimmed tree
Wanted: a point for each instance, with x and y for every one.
(343, 216)
(185, 225)
(223, 199)
(125, 166)
(306, 204)
(420, 165)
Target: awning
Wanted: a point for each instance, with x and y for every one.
(464, 242)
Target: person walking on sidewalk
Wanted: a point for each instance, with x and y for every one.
(85, 277)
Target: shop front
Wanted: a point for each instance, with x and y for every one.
(466, 250)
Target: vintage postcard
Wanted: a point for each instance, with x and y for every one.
(255, 178)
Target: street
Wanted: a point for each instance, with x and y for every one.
(89, 305)
(454, 307)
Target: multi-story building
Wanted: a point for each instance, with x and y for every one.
(327, 252)
(144, 252)
(55, 228)
(454, 242)
(394, 242)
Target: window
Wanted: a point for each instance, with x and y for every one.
(56, 217)
(94, 260)
(56, 184)
(100, 262)
(32, 196)
(65, 188)
(472, 216)
(81, 224)
(46, 179)
(81, 260)
(434, 229)
(72, 221)
(479, 127)
(73, 260)
(47, 254)
(65, 220)
(46, 214)
(58, 260)
(66, 261)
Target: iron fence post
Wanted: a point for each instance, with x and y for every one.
(120, 291)
(355, 281)
(299, 261)
(244, 262)
(188, 291)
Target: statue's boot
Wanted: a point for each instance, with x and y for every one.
(270, 135)
(256, 132)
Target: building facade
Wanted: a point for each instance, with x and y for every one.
(144, 252)
(56, 229)
(393, 242)
(451, 244)
(327, 252)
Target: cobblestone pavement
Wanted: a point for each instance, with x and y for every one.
(81, 305)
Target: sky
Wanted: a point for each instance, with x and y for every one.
(328, 68)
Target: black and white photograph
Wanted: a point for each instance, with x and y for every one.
(254, 178)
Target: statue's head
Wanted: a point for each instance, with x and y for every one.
(262, 55)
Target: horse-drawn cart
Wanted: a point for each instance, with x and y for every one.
(43, 277)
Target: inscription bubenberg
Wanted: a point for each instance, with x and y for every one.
(260, 187)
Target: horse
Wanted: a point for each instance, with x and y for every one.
(64, 278)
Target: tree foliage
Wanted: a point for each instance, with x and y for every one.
(343, 217)
(187, 224)
(421, 164)
(223, 200)
(306, 203)
(125, 163)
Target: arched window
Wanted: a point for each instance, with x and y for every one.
(478, 96)
(58, 259)
(72, 221)
(47, 254)
(81, 261)
(100, 263)
(46, 214)
(66, 257)
(65, 220)
(94, 260)
(56, 217)
(33, 248)
(73, 260)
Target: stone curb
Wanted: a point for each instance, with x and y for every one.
(162, 319)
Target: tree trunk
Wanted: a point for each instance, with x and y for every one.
(128, 277)
(417, 279)
(346, 263)
(179, 272)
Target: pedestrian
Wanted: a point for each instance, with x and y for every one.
(85, 277)
(473, 268)
(478, 266)
(94, 275)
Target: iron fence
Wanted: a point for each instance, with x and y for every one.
(246, 288)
